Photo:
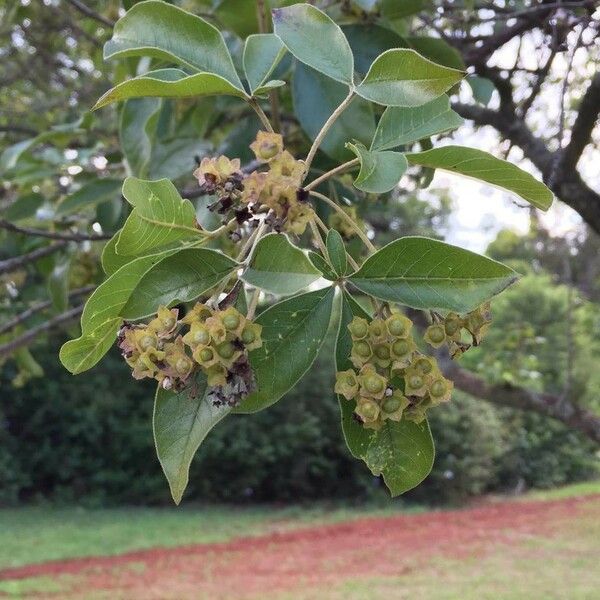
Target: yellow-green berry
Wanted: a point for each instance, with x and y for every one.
(398, 326)
(435, 335)
(359, 328)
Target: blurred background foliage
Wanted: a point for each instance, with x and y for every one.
(88, 439)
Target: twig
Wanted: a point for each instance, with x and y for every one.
(88, 12)
(253, 304)
(317, 236)
(53, 235)
(326, 127)
(31, 334)
(319, 180)
(12, 264)
(253, 102)
(41, 306)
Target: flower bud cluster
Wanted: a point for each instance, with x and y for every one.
(449, 330)
(170, 350)
(391, 379)
(221, 177)
(278, 187)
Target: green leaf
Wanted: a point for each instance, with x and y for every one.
(159, 217)
(170, 83)
(402, 77)
(399, 9)
(482, 89)
(320, 263)
(368, 41)
(486, 167)
(137, 132)
(161, 30)
(179, 277)
(315, 99)
(403, 452)
(111, 261)
(314, 39)
(90, 194)
(293, 332)
(380, 172)
(264, 90)
(181, 422)
(402, 125)
(337, 252)
(279, 267)
(262, 53)
(84, 352)
(24, 207)
(431, 275)
(58, 283)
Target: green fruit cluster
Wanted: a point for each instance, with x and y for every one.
(450, 330)
(391, 379)
(171, 350)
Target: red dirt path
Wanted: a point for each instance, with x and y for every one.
(260, 567)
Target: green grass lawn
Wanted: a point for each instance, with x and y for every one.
(535, 568)
(35, 534)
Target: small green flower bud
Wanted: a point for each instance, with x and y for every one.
(399, 326)
(248, 335)
(362, 349)
(424, 365)
(231, 322)
(226, 350)
(346, 384)
(183, 366)
(216, 375)
(401, 348)
(440, 390)
(452, 324)
(367, 409)
(206, 355)
(391, 404)
(414, 383)
(147, 341)
(359, 328)
(382, 351)
(377, 331)
(435, 335)
(371, 383)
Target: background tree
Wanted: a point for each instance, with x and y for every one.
(62, 171)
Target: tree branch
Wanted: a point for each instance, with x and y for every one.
(41, 306)
(88, 12)
(569, 187)
(31, 334)
(12, 264)
(589, 109)
(549, 405)
(69, 237)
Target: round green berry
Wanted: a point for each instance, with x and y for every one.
(382, 352)
(362, 349)
(401, 347)
(373, 384)
(391, 405)
(201, 336)
(359, 328)
(396, 325)
(369, 410)
(438, 388)
(424, 366)
(415, 382)
(436, 334)
(231, 321)
(248, 335)
(226, 350)
(452, 326)
(182, 366)
(206, 355)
